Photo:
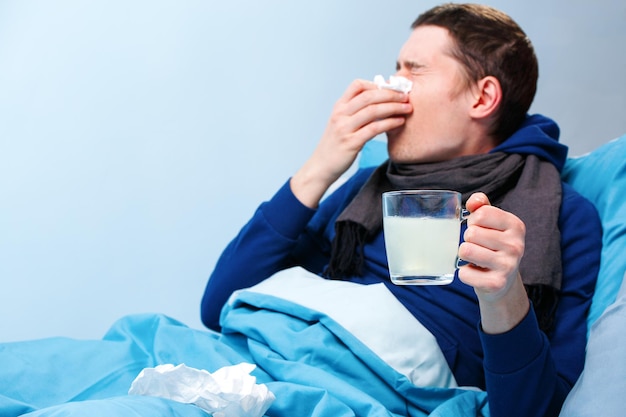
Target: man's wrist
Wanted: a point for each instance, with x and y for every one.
(501, 315)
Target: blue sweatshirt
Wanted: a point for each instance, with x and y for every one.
(525, 372)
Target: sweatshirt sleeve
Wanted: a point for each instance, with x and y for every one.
(261, 248)
(527, 372)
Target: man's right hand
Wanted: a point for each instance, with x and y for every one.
(363, 112)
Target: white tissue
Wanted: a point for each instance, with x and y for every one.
(228, 392)
(396, 82)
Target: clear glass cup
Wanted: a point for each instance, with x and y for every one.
(422, 231)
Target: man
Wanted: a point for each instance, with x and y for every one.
(532, 244)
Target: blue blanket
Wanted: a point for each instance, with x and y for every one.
(312, 364)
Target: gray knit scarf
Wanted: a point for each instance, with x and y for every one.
(521, 184)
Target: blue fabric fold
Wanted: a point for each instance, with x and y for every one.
(538, 135)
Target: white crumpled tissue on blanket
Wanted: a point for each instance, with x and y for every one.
(228, 392)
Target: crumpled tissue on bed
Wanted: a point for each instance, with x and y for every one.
(396, 82)
(228, 392)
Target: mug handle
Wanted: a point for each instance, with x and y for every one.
(464, 215)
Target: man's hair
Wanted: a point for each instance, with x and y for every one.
(488, 42)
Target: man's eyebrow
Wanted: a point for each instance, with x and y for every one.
(408, 64)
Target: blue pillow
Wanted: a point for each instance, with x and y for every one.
(600, 176)
(600, 388)
(373, 154)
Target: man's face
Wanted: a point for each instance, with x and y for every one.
(437, 128)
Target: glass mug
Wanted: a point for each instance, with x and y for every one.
(422, 230)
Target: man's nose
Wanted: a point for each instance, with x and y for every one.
(402, 72)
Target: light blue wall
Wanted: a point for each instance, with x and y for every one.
(136, 137)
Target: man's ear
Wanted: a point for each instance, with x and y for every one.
(487, 96)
